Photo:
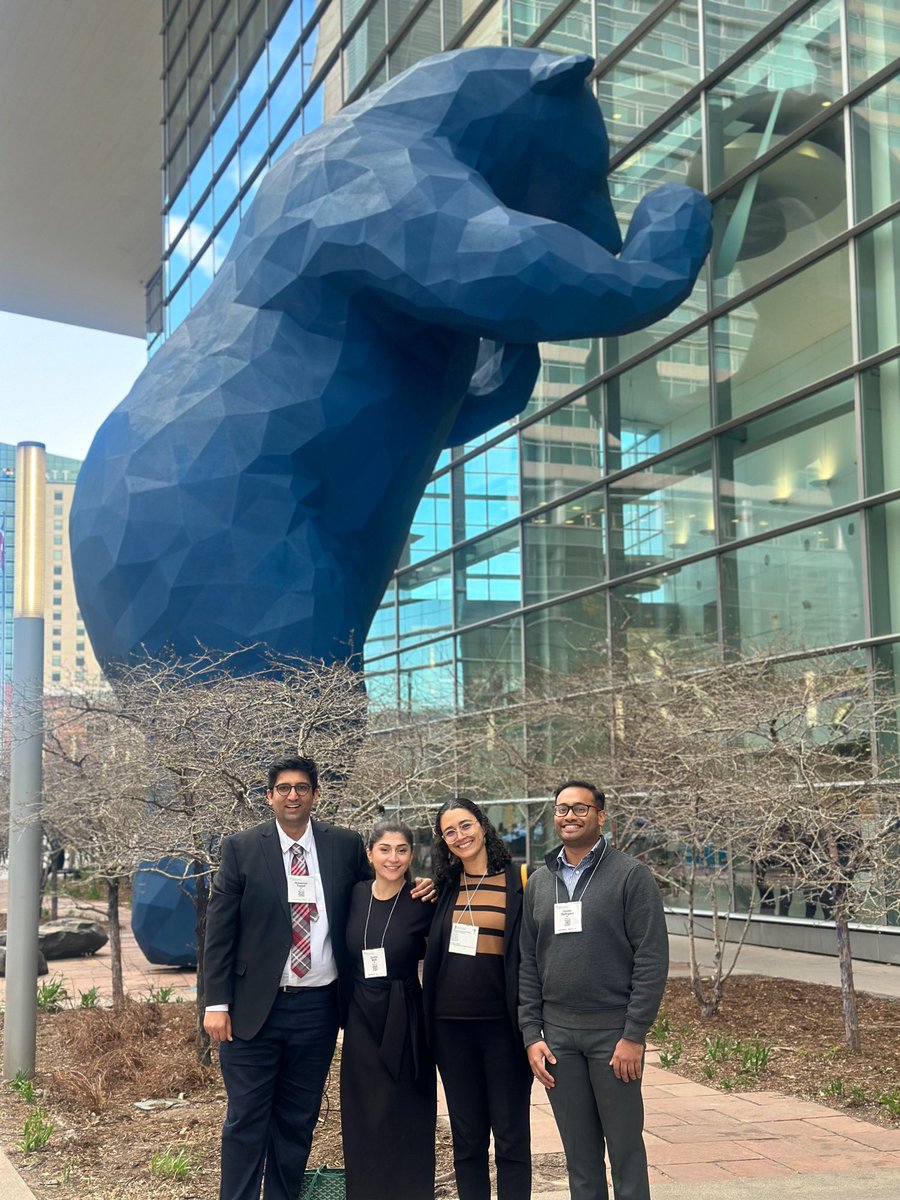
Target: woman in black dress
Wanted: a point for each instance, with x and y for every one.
(388, 1086)
(471, 983)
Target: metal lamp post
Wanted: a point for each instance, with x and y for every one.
(25, 764)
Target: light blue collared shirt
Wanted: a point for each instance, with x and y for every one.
(569, 874)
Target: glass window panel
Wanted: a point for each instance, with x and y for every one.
(565, 639)
(178, 261)
(177, 215)
(247, 198)
(176, 170)
(199, 77)
(562, 452)
(308, 7)
(422, 39)
(873, 32)
(366, 44)
(177, 72)
(785, 339)
(880, 403)
(200, 228)
(572, 34)
(729, 24)
(178, 307)
(795, 204)
(565, 366)
(200, 176)
(488, 577)
(876, 149)
(284, 100)
(226, 189)
(383, 631)
(661, 512)
(426, 678)
(285, 37)
(291, 135)
(425, 600)
(224, 35)
(177, 118)
(225, 82)
(616, 19)
(878, 259)
(490, 30)
(490, 665)
(658, 403)
(224, 238)
(487, 489)
(251, 38)
(678, 602)
(201, 276)
(799, 590)
(313, 110)
(253, 90)
(789, 464)
(430, 532)
(381, 683)
(653, 75)
(884, 567)
(783, 85)
(254, 146)
(565, 548)
(225, 136)
(312, 61)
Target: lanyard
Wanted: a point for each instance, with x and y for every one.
(387, 922)
(470, 899)
(577, 881)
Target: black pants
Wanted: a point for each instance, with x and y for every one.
(274, 1083)
(487, 1082)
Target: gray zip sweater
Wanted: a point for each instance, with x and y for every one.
(611, 975)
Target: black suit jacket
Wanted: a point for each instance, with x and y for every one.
(248, 923)
(437, 948)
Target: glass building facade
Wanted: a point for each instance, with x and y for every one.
(730, 475)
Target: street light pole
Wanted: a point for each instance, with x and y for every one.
(20, 1026)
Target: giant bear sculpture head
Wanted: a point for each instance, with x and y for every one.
(384, 297)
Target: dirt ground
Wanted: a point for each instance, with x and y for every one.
(94, 1068)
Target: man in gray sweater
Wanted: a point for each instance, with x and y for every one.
(595, 956)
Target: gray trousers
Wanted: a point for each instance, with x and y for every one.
(595, 1111)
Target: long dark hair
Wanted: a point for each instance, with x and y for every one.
(392, 825)
(445, 866)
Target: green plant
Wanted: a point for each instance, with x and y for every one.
(717, 1048)
(660, 1029)
(160, 995)
(38, 1128)
(172, 1164)
(669, 1058)
(24, 1087)
(835, 1087)
(857, 1096)
(708, 1071)
(754, 1056)
(728, 1083)
(52, 996)
(89, 998)
(891, 1101)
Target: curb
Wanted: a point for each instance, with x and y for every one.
(12, 1185)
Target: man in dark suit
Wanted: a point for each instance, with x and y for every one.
(275, 953)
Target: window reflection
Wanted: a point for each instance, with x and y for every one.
(565, 548)
(880, 403)
(383, 632)
(789, 464)
(873, 33)
(430, 532)
(488, 577)
(490, 665)
(425, 600)
(876, 149)
(730, 25)
(488, 486)
(426, 678)
(673, 603)
(564, 639)
(878, 258)
(799, 590)
(562, 452)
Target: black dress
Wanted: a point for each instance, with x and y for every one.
(388, 1083)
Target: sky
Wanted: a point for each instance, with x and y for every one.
(59, 382)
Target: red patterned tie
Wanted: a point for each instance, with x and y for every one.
(300, 914)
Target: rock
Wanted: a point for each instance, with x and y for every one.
(71, 938)
(43, 969)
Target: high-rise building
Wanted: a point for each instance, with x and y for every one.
(68, 658)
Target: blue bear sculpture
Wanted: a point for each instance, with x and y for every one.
(383, 299)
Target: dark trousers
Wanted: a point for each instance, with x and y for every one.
(487, 1082)
(274, 1084)
(592, 1108)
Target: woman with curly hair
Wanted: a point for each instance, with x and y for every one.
(471, 981)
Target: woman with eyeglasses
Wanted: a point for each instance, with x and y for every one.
(388, 1087)
(471, 997)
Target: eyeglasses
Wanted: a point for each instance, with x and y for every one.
(285, 789)
(462, 830)
(580, 810)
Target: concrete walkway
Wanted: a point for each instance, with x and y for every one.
(736, 1146)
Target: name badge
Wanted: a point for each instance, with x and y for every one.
(374, 963)
(567, 917)
(301, 889)
(464, 939)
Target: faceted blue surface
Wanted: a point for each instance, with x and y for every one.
(163, 916)
(383, 299)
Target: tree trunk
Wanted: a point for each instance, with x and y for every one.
(848, 990)
(54, 889)
(115, 944)
(201, 880)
